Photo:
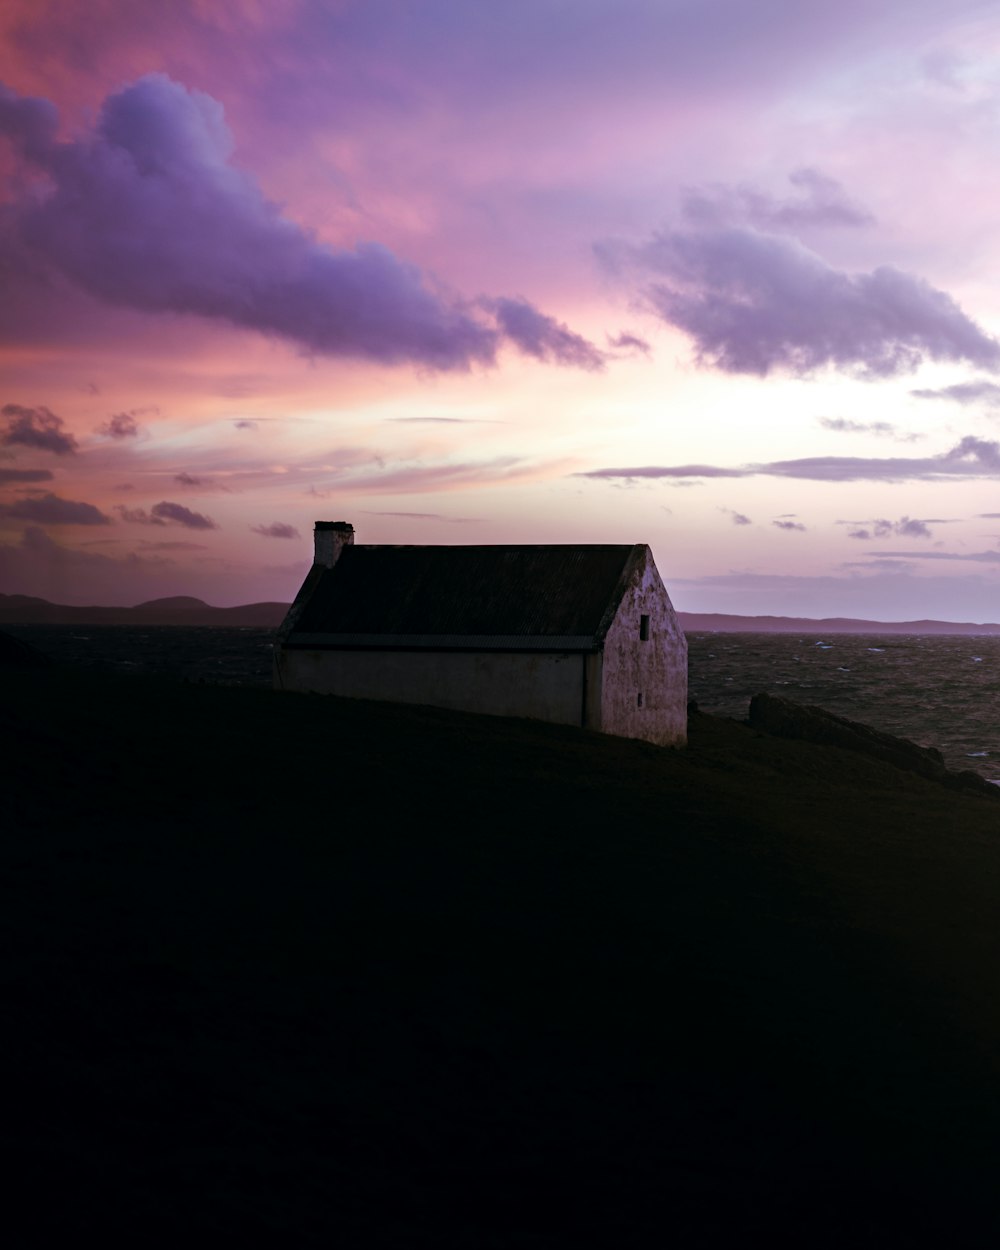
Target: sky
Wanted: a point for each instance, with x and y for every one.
(714, 276)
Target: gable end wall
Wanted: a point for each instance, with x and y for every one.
(656, 669)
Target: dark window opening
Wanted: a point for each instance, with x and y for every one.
(639, 699)
(644, 628)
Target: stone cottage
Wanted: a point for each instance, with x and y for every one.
(580, 635)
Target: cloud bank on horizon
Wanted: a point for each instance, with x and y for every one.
(268, 263)
(970, 458)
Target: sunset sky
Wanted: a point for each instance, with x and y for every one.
(714, 275)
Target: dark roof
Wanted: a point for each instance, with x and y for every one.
(561, 596)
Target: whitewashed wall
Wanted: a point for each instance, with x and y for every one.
(655, 669)
(547, 686)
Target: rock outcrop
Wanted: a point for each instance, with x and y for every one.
(806, 723)
(16, 653)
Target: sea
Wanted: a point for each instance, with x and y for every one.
(937, 690)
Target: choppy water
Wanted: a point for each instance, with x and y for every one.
(235, 657)
(941, 691)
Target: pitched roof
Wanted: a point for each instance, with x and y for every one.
(511, 597)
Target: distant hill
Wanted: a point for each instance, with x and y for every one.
(180, 610)
(185, 610)
(706, 622)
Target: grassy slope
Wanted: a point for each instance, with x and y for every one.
(322, 970)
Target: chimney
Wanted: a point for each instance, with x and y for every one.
(331, 539)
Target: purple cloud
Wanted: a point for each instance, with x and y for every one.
(38, 428)
(975, 557)
(541, 336)
(979, 391)
(657, 471)
(277, 529)
(29, 124)
(51, 510)
(151, 546)
(245, 425)
(426, 516)
(822, 202)
(137, 516)
(164, 512)
(755, 302)
(24, 475)
(121, 425)
(881, 429)
(182, 516)
(881, 527)
(971, 457)
(190, 479)
(789, 525)
(628, 342)
(912, 527)
(421, 478)
(147, 212)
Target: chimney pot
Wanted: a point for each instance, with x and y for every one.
(331, 537)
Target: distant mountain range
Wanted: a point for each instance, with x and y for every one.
(718, 622)
(180, 610)
(184, 610)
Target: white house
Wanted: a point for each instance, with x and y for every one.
(581, 635)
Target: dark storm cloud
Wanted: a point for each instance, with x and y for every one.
(971, 457)
(754, 302)
(24, 475)
(789, 525)
(164, 513)
(121, 425)
(38, 428)
(147, 212)
(51, 510)
(277, 529)
(821, 201)
(980, 391)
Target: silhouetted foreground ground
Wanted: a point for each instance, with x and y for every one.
(310, 972)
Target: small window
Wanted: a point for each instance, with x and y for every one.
(644, 628)
(638, 701)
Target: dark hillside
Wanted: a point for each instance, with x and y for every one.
(313, 972)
